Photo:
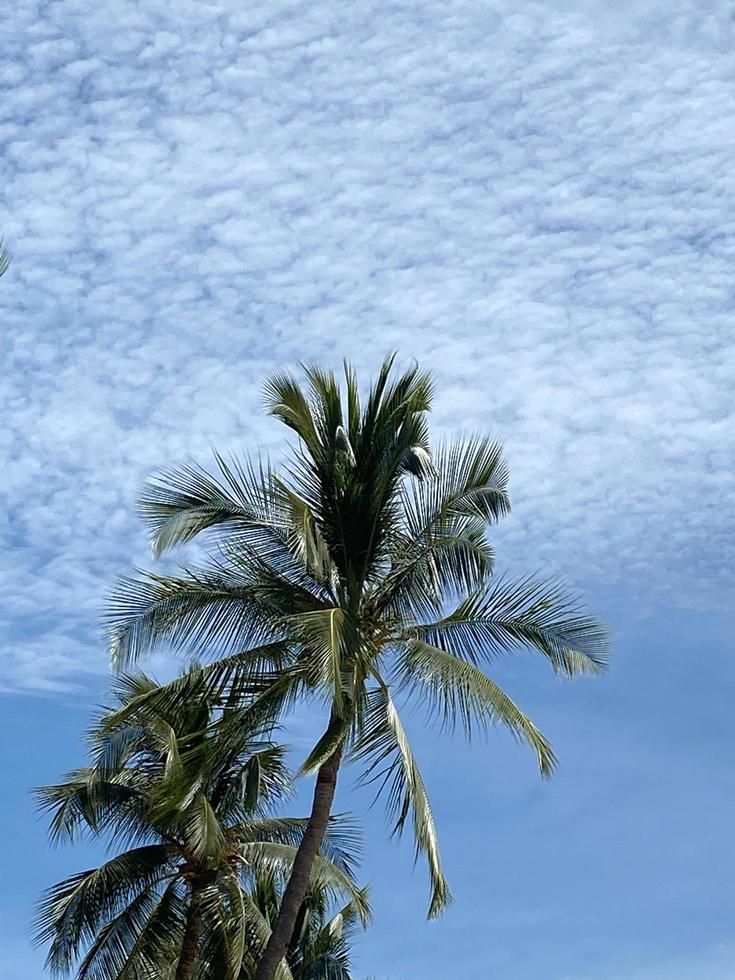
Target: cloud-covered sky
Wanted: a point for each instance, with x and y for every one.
(537, 205)
(535, 201)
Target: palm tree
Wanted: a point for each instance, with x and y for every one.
(320, 945)
(187, 792)
(359, 572)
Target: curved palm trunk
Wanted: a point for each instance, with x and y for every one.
(298, 883)
(192, 935)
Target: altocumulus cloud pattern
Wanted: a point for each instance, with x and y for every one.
(534, 200)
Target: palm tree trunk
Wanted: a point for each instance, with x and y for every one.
(298, 883)
(192, 935)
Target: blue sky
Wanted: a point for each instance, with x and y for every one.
(538, 206)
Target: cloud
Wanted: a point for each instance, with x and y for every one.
(536, 205)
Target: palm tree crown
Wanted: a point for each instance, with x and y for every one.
(360, 572)
(187, 794)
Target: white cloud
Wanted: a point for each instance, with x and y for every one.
(535, 205)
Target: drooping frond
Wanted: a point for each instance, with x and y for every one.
(140, 941)
(228, 919)
(325, 634)
(471, 481)
(285, 400)
(84, 802)
(335, 735)
(460, 693)
(384, 746)
(304, 537)
(72, 911)
(205, 838)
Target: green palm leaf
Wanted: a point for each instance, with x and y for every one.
(342, 843)
(186, 500)
(266, 857)
(138, 941)
(201, 612)
(506, 616)
(72, 911)
(461, 693)
(385, 746)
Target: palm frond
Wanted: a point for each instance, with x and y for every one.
(250, 671)
(204, 835)
(326, 635)
(342, 844)
(334, 736)
(384, 746)
(304, 537)
(471, 481)
(461, 693)
(86, 802)
(186, 500)
(138, 943)
(4, 258)
(266, 857)
(285, 400)
(452, 557)
(235, 931)
(72, 911)
(201, 612)
(353, 400)
(509, 615)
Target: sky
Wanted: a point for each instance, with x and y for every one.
(534, 202)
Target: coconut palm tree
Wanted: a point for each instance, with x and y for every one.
(359, 572)
(320, 945)
(187, 793)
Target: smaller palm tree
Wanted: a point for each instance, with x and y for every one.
(320, 945)
(188, 793)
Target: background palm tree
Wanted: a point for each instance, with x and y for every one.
(321, 943)
(361, 571)
(187, 792)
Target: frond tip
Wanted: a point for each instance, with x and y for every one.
(505, 616)
(4, 258)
